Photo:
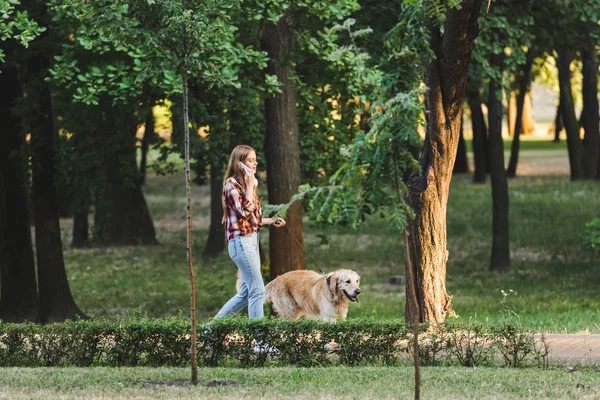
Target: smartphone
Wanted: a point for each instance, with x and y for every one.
(246, 169)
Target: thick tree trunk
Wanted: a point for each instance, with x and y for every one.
(18, 291)
(567, 111)
(591, 126)
(128, 221)
(461, 166)
(215, 243)
(524, 81)
(500, 259)
(479, 138)
(282, 146)
(427, 195)
(56, 301)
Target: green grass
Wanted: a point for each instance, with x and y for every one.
(554, 278)
(297, 383)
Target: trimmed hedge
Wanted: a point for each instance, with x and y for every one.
(241, 342)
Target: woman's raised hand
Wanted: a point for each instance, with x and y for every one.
(251, 181)
(279, 222)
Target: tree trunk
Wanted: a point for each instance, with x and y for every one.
(80, 229)
(427, 195)
(189, 240)
(282, 146)
(500, 260)
(591, 140)
(479, 138)
(528, 119)
(567, 111)
(146, 140)
(558, 125)
(215, 243)
(128, 220)
(461, 166)
(524, 81)
(56, 301)
(18, 291)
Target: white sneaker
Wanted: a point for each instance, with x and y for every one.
(261, 347)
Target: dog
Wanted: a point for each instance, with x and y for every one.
(309, 294)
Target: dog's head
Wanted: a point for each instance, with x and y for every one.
(345, 283)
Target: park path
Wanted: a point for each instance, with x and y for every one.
(573, 348)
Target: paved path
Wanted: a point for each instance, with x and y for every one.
(575, 348)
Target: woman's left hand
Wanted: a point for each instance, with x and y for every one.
(278, 222)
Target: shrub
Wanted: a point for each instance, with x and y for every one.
(239, 341)
(591, 236)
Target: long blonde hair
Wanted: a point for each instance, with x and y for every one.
(238, 154)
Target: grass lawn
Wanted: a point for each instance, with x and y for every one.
(297, 383)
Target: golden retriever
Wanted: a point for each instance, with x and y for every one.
(307, 293)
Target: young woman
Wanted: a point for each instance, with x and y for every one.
(243, 220)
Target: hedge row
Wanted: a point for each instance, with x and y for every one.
(250, 343)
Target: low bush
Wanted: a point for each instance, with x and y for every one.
(254, 343)
(591, 236)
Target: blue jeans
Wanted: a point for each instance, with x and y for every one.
(243, 250)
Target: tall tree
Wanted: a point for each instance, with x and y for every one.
(567, 111)
(479, 127)
(500, 257)
(18, 291)
(282, 144)
(524, 82)
(56, 301)
(427, 195)
(125, 216)
(591, 117)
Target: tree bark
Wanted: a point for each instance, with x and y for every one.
(461, 166)
(56, 301)
(591, 126)
(188, 218)
(567, 111)
(524, 81)
(558, 125)
(427, 195)
(215, 243)
(18, 291)
(146, 140)
(479, 138)
(282, 146)
(500, 259)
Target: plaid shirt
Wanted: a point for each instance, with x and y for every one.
(242, 216)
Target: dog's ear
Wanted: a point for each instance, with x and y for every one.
(331, 281)
(328, 278)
